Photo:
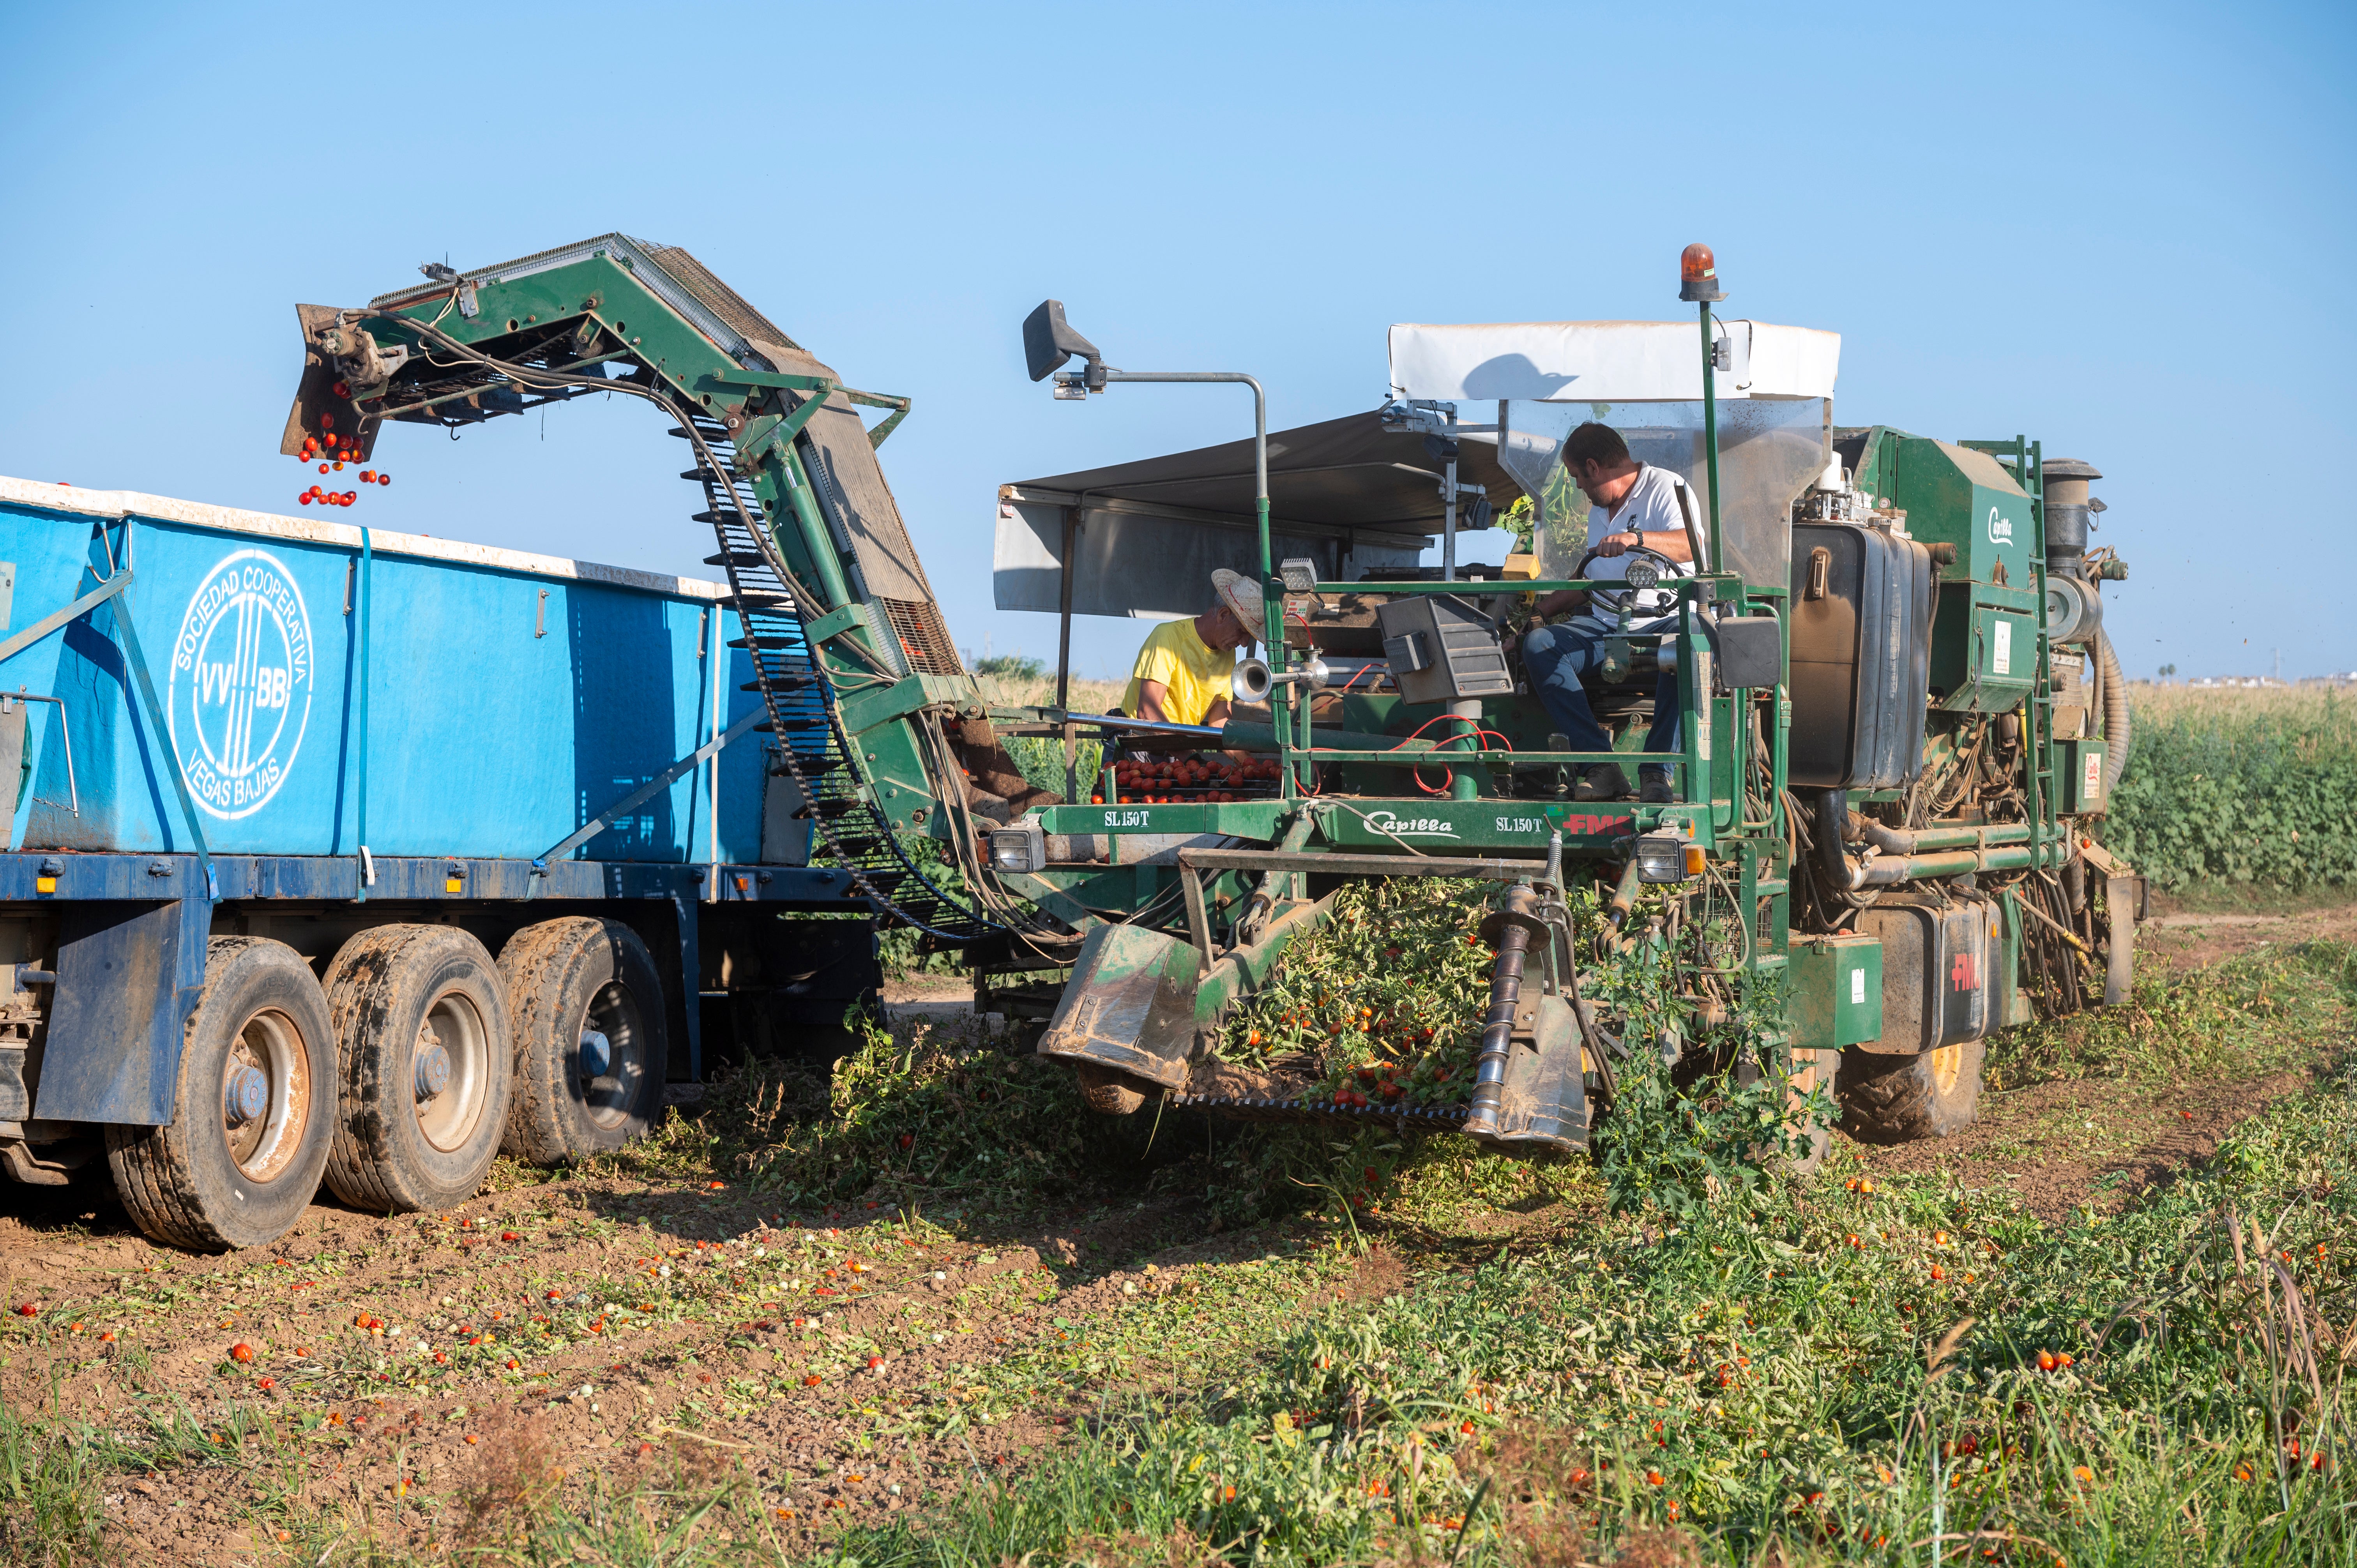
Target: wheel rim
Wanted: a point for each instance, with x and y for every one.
(1947, 1066)
(265, 1095)
(450, 1070)
(611, 1067)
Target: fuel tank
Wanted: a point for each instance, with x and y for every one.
(1861, 656)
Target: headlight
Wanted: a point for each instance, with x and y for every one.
(1021, 849)
(1661, 857)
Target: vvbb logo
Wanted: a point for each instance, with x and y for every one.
(240, 683)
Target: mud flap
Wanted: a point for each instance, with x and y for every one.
(1129, 1006)
(1544, 1103)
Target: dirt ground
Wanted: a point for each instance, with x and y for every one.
(847, 1362)
(2102, 1141)
(412, 1363)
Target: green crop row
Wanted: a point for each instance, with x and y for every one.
(2240, 787)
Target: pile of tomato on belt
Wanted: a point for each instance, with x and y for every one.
(1155, 781)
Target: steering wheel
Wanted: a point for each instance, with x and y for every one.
(1661, 567)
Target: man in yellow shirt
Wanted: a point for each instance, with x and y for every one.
(1184, 670)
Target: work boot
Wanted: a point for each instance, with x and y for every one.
(1654, 788)
(1605, 782)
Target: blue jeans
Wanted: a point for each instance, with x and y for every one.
(1558, 655)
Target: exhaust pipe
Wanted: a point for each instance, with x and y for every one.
(2069, 509)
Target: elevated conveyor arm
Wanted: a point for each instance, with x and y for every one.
(877, 723)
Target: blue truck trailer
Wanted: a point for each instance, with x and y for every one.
(344, 855)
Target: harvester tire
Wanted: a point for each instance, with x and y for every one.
(260, 1049)
(421, 1020)
(1107, 1092)
(1897, 1100)
(587, 1005)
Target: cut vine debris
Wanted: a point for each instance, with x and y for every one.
(1382, 1005)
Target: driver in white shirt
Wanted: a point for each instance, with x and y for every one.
(1636, 506)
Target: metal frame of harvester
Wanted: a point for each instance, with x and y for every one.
(1990, 900)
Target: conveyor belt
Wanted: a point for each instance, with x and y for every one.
(1248, 1108)
(811, 746)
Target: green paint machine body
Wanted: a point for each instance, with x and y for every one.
(1888, 679)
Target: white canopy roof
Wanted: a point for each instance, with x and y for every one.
(1606, 362)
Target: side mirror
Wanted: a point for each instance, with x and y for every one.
(1049, 341)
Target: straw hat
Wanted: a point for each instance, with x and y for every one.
(1242, 595)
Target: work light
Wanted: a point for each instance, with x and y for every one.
(1021, 849)
(1660, 856)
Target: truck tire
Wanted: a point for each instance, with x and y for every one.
(210, 1183)
(421, 1020)
(590, 1051)
(1897, 1100)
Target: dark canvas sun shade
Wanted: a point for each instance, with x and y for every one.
(1147, 535)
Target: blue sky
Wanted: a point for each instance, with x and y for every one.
(2120, 229)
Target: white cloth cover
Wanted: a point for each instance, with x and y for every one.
(1606, 362)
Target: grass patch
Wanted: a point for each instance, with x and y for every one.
(1905, 1370)
(2250, 898)
(1834, 1374)
(50, 1513)
(2251, 1014)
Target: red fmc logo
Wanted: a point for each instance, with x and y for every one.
(1597, 824)
(1965, 974)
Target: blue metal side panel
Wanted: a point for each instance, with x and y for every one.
(52, 554)
(499, 719)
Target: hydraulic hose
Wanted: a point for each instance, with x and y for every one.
(2120, 728)
(1624, 897)
(1832, 823)
(1899, 857)
(1498, 1028)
